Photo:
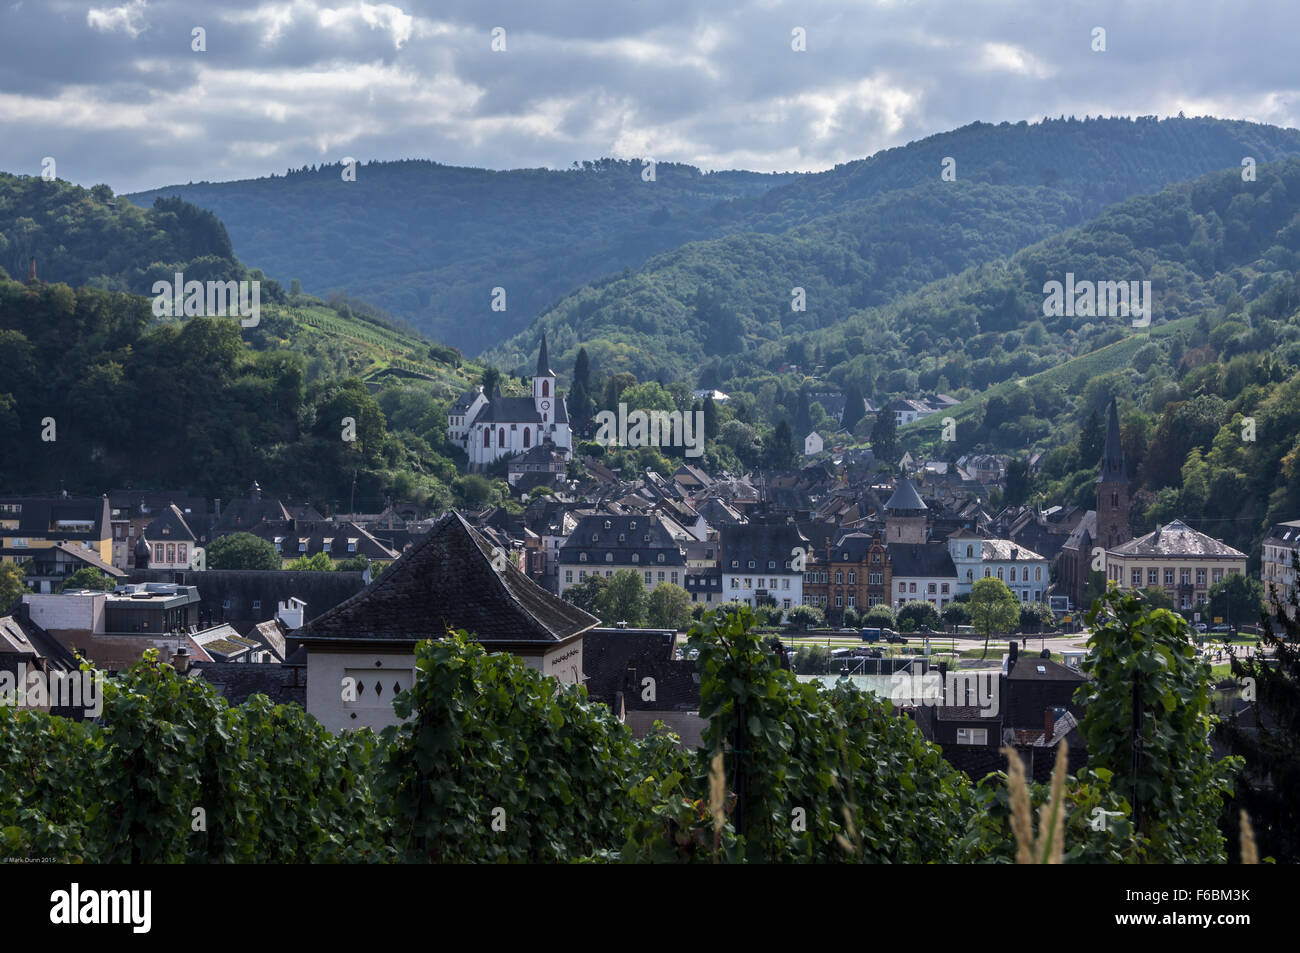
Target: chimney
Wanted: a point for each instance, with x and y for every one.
(31, 269)
(1049, 722)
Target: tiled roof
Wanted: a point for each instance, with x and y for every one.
(447, 581)
(1177, 539)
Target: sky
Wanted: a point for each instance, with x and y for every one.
(117, 93)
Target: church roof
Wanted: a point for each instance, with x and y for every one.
(1112, 458)
(510, 410)
(448, 581)
(544, 360)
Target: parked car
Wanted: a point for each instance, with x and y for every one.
(895, 639)
(1221, 627)
(1201, 627)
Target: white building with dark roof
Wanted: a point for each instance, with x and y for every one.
(1278, 565)
(490, 429)
(604, 543)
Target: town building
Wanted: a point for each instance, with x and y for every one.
(450, 580)
(1183, 562)
(758, 562)
(853, 573)
(29, 524)
(1278, 566)
(604, 543)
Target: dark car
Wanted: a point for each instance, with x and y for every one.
(896, 639)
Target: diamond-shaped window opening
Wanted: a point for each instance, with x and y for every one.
(361, 689)
(379, 687)
(397, 688)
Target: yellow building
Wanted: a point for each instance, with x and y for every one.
(1176, 558)
(31, 524)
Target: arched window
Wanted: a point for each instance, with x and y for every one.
(970, 551)
(546, 388)
(501, 436)
(487, 436)
(528, 437)
(999, 572)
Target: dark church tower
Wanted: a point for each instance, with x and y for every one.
(1112, 488)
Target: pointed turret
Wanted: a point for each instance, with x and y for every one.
(1112, 458)
(544, 361)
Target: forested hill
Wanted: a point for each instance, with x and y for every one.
(429, 242)
(88, 237)
(866, 232)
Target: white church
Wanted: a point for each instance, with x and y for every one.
(489, 429)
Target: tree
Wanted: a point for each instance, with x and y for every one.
(780, 452)
(1092, 441)
(87, 577)
(1268, 786)
(357, 563)
(1237, 599)
(668, 607)
(589, 595)
(994, 609)
(624, 598)
(805, 617)
(12, 585)
(853, 407)
(921, 615)
(879, 616)
(1156, 598)
(955, 613)
(1019, 483)
(802, 416)
(241, 551)
(1147, 721)
(884, 436)
(1035, 616)
(318, 562)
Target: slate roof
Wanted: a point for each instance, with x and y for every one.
(922, 560)
(171, 526)
(447, 581)
(1031, 668)
(1112, 457)
(465, 401)
(906, 499)
(40, 514)
(21, 637)
(90, 558)
(510, 410)
(763, 542)
(1177, 539)
(592, 539)
(238, 681)
(1006, 550)
(1284, 534)
(616, 660)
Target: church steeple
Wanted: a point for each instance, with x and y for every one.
(544, 360)
(1112, 458)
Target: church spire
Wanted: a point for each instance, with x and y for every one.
(1112, 458)
(544, 360)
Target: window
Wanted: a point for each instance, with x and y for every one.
(751, 564)
(1218, 575)
(674, 577)
(735, 582)
(622, 538)
(771, 564)
(582, 557)
(853, 578)
(735, 564)
(1200, 577)
(986, 572)
(785, 583)
(636, 557)
(1135, 577)
(749, 582)
(839, 602)
(607, 524)
(528, 438)
(785, 603)
(326, 544)
(931, 589)
(999, 572)
(972, 736)
(661, 557)
(970, 552)
(1185, 577)
(609, 557)
(257, 604)
(582, 574)
(661, 575)
(1169, 577)
(568, 575)
(352, 544)
(902, 587)
(1038, 574)
(911, 587)
(943, 589)
(158, 553)
(501, 436)
(181, 550)
(839, 577)
(487, 437)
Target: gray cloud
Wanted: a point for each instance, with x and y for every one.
(113, 90)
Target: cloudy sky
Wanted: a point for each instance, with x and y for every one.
(116, 93)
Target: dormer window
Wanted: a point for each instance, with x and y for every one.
(595, 537)
(661, 557)
(582, 557)
(771, 564)
(608, 525)
(646, 538)
(609, 557)
(751, 564)
(622, 538)
(632, 524)
(636, 557)
(735, 564)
